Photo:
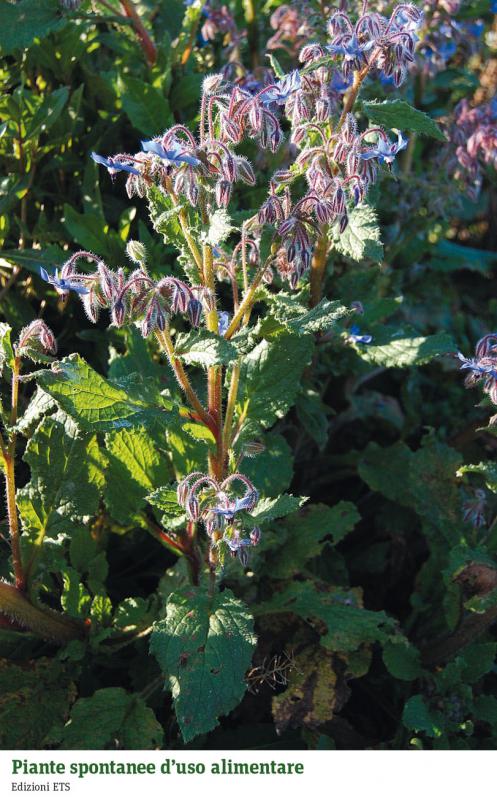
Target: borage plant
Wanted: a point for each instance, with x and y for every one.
(239, 320)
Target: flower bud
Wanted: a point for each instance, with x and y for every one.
(38, 338)
(136, 251)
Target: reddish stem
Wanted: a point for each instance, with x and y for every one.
(148, 46)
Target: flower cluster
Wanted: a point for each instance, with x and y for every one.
(483, 367)
(135, 298)
(385, 44)
(218, 507)
(473, 137)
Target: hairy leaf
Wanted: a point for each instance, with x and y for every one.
(270, 375)
(204, 646)
(124, 722)
(362, 237)
(94, 402)
(204, 348)
(400, 115)
(136, 466)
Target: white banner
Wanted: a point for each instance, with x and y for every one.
(245, 775)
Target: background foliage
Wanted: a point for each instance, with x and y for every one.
(365, 617)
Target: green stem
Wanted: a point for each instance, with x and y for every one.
(230, 409)
(247, 302)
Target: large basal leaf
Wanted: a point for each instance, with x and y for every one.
(94, 402)
(362, 237)
(204, 646)
(135, 467)
(400, 115)
(270, 376)
(111, 718)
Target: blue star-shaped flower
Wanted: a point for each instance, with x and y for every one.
(385, 151)
(476, 366)
(175, 154)
(281, 91)
(350, 49)
(359, 338)
(62, 285)
(114, 166)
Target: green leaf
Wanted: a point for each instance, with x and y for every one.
(6, 351)
(94, 402)
(183, 43)
(34, 697)
(486, 468)
(362, 237)
(269, 508)
(146, 107)
(124, 722)
(40, 405)
(404, 350)
(320, 318)
(165, 499)
(385, 470)
(204, 348)
(135, 467)
(89, 230)
(220, 227)
(418, 717)
(276, 66)
(402, 660)
(21, 23)
(304, 535)
(311, 412)
(204, 646)
(47, 113)
(270, 376)
(348, 624)
(272, 470)
(400, 115)
(479, 659)
(65, 479)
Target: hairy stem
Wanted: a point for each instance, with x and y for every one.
(318, 268)
(147, 44)
(230, 410)
(166, 343)
(47, 624)
(214, 374)
(247, 302)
